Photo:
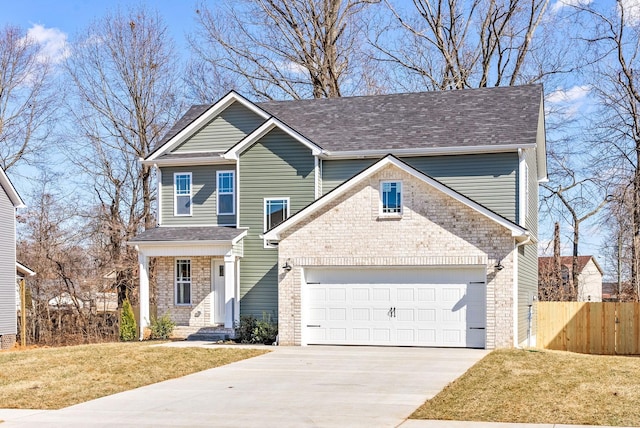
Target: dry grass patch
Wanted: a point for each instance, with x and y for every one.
(53, 378)
(542, 387)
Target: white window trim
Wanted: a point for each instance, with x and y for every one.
(175, 194)
(175, 281)
(380, 207)
(232, 193)
(526, 193)
(264, 215)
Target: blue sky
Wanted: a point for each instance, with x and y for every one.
(53, 22)
(70, 16)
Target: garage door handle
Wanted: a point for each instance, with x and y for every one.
(313, 325)
(476, 328)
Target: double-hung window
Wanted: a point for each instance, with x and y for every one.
(391, 198)
(183, 281)
(225, 192)
(276, 210)
(182, 197)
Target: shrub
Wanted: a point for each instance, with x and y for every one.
(161, 328)
(252, 330)
(128, 326)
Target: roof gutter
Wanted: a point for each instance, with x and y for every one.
(425, 151)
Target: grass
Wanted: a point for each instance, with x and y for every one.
(542, 387)
(52, 378)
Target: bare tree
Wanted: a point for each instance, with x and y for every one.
(286, 48)
(124, 75)
(452, 44)
(615, 43)
(581, 197)
(26, 101)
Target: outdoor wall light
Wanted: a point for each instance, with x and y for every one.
(499, 266)
(287, 266)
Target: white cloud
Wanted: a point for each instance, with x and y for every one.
(293, 67)
(52, 41)
(631, 10)
(560, 4)
(571, 95)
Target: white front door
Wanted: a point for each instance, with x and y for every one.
(217, 292)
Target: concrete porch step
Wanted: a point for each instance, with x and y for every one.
(208, 333)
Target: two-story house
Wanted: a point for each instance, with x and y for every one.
(404, 219)
(9, 201)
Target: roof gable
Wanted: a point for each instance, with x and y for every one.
(263, 130)
(11, 192)
(197, 117)
(274, 234)
(545, 263)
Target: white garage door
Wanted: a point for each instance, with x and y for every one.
(395, 307)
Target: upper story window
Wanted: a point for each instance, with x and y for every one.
(182, 189)
(226, 192)
(183, 282)
(391, 198)
(276, 210)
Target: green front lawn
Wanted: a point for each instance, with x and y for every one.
(52, 378)
(543, 387)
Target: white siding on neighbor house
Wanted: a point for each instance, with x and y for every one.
(590, 284)
(7, 265)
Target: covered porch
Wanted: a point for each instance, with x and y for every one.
(197, 270)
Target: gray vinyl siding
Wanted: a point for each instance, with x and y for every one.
(203, 193)
(528, 256)
(276, 166)
(7, 265)
(489, 179)
(223, 131)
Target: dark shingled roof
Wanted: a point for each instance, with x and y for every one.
(196, 233)
(469, 117)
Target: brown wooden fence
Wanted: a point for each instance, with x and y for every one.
(610, 328)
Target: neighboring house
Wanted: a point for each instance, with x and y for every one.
(9, 201)
(589, 276)
(610, 291)
(406, 219)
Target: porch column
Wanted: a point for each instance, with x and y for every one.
(229, 289)
(143, 262)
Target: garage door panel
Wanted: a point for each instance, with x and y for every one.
(405, 294)
(403, 314)
(361, 314)
(337, 294)
(382, 335)
(426, 294)
(426, 315)
(433, 313)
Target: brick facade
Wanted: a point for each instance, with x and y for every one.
(7, 341)
(435, 229)
(198, 314)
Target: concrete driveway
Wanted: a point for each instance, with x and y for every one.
(319, 386)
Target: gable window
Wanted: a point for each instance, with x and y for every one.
(182, 197)
(183, 282)
(391, 197)
(276, 210)
(225, 191)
